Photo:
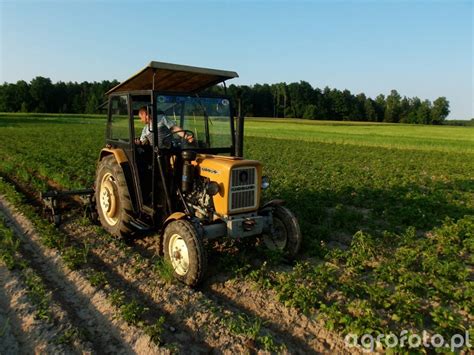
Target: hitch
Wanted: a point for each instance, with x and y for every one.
(53, 207)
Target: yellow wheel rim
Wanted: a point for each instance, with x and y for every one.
(108, 197)
(179, 256)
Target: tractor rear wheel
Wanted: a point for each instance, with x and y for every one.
(286, 234)
(185, 252)
(114, 207)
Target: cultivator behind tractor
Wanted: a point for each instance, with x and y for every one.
(54, 203)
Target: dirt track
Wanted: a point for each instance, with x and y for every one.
(195, 320)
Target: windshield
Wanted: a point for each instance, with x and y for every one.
(208, 118)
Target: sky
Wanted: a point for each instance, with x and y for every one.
(419, 48)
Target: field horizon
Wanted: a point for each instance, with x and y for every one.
(386, 211)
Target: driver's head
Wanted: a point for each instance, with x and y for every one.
(143, 114)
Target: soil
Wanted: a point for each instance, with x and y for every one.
(194, 318)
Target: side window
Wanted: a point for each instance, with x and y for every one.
(119, 125)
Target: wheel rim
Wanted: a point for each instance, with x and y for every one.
(179, 256)
(278, 240)
(108, 199)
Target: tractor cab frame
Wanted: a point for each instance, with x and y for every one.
(153, 171)
(191, 182)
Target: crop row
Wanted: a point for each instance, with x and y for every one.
(78, 256)
(387, 231)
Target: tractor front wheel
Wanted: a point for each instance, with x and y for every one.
(185, 252)
(113, 204)
(286, 234)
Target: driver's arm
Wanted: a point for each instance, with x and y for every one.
(182, 134)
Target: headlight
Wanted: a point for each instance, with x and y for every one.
(212, 188)
(265, 182)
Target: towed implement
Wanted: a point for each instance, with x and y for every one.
(188, 182)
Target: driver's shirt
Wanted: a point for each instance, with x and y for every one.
(164, 126)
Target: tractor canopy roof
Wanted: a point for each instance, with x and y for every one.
(177, 78)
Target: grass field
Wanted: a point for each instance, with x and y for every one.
(387, 212)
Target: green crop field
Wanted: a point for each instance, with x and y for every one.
(387, 212)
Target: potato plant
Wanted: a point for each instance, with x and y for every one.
(387, 213)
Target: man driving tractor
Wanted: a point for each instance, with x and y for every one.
(164, 124)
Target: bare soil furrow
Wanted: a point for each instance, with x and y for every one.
(87, 308)
(299, 332)
(186, 311)
(189, 319)
(20, 330)
(201, 330)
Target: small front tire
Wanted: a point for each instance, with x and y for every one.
(185, 252)
(286, 235)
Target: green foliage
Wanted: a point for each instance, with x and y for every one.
(9, 245)
(68, 336)
(38, 294)
(97, 278)
(75, 257)
(117, 298)
(41, 95)
(393, 107)
(164, 269)
(155, 330)
(297, 100)
(386, 213)
(132, 311)
(440, 110)
(243, 324)
(11, 257)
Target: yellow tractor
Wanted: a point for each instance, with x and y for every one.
(179, 172)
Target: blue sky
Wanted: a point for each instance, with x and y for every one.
(420, 48)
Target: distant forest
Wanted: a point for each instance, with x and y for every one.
(294, 100)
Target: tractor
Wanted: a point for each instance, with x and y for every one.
(187, 185)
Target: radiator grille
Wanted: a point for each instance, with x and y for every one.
(243, 190)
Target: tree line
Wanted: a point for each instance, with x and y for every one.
(42, 95)
(281, 100)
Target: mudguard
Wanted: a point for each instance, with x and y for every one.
(122, 160)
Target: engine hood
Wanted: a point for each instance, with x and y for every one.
(219, 169)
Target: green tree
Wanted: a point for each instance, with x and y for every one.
(404, 109)
(92, 103)
(393, 107)
(369, 110)
(380, 104)
(424, 112)
(440, 110)
(41, 90)
(23, 96)
(310, 112)
(358, 108)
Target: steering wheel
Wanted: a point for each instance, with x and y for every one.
(181, 140)
(186, 131)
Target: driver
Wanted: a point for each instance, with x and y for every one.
(164, 125)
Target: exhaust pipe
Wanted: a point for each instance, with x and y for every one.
(240, 132)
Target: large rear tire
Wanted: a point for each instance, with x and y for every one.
(113, 204)
(185, 252)
(286, 235)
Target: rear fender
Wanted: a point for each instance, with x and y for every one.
(119, 154)
(122, 160)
